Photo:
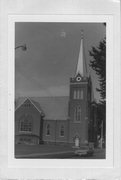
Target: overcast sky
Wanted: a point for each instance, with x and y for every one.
(51, 56)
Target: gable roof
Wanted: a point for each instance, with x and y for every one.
(54, 108)
(22, 100)
(19, 101)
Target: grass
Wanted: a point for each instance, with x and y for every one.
(22, 149)
(58, 152)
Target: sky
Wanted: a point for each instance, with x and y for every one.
(45, 68)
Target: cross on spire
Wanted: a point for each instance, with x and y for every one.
(82, 33)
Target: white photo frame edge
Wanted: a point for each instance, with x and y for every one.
(112, 172)
(59, 18)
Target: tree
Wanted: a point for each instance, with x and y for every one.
(101, 116)
(98, 64)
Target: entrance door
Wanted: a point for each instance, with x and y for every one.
(76, 141)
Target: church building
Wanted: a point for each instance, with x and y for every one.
(62, 119)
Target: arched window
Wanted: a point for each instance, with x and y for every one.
(48, 130)
(26, 123)
(77, 113)
(62, 131)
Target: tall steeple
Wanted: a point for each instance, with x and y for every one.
(79, 100)
(81, 65)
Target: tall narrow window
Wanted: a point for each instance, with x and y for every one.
(75, 92)
(48, 130)
(62, 131)
(78, 94)
(77, 113)
(81, 94)
(26, 123)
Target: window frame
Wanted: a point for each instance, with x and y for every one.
(77, 113)
(62, 129)
(47, 130)
(25, 124)
(78, 94)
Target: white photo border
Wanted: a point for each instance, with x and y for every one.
(58, 163)
(110, 9)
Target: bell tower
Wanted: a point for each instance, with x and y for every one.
(79, 100)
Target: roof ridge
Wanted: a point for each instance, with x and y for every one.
(48, 96)
(50, 105)
(29, 97)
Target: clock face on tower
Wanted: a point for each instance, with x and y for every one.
(78, 78)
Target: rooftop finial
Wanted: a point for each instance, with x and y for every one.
(82, 33)
(81, 65)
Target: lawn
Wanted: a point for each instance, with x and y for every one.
(52, 151)
(23, 149)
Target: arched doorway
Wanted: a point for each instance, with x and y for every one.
(76, 141)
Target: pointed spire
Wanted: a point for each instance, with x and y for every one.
(81, 65)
